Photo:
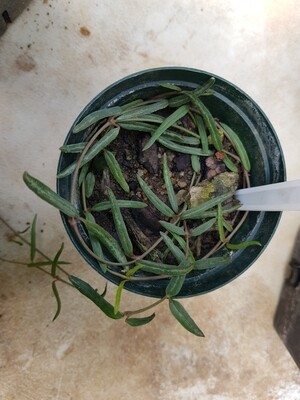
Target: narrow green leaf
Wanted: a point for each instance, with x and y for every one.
(89, 184)
(95, 117)
(169, 185)
(95, 243)
(226, 224)
(143, 110)
(139, 321)
(209, 122)
(211, 262)
(178, 101)
(132, 104)
(95, 297)
(195, 161)
(202, 133)
(47, 194)
(115, 170)
(243, 245)
(200, 90)
(183, 245)
(230, 164)
(120, 224)
(184, 318)
(238, 145)
(106, 139)
(171, 87)
(178, 230)
(166, 269)
(137, 126)
(154, 199)
(33, 238)
(107, 240)
(175, 250)
(118, 297)
(182, 149)
(58, 301)
(203, 227)
(106, 205)
(132, 271)
(55, 261)
(226, 210)
(152, 118)
(181, 139)
(181, 241)
(83, 171)
(73, 148)
(196, 212)
(220, 223)
(169, 121)
(186, 131)
(175, 285)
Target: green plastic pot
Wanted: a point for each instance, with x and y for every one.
(243, 115)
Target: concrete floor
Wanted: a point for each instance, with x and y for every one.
(53, 60)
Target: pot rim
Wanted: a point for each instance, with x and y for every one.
(145, 288)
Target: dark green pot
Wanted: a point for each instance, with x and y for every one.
(243, 115)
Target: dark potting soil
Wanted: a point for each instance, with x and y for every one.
(143, 224)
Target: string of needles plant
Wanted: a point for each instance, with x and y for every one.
(175, 122)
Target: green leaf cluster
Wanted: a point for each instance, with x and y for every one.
(180, 122)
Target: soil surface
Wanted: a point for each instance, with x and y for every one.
(143, 224)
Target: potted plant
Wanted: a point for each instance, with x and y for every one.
(146, 182)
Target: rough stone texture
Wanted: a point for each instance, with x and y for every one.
(49, 70)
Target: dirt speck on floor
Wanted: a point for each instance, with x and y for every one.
(84, 31)
(25, 62)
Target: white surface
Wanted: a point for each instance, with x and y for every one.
(283, 196)
(49, 70)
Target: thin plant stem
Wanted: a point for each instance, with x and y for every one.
(142, 278)
(17, 234)
(13, 261)
(192, 180)
(220, 244)
(185, 130)
(57, 277)
(237, 158)
(158, 241)
(83, 197)
(118, 264)
(85, 150)
(141, 310)
(186, 238)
